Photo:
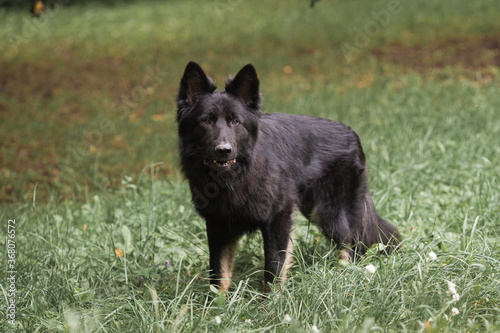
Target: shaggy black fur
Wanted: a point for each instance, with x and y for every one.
(251, 172)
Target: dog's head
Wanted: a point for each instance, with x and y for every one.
(218, 128)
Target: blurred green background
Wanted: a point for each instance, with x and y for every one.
(87, 89)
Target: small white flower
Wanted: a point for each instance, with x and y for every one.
(371, 269)
(315, 328)
(248, 321)
(218, 320)
(432, 256)
(181, 209)
(287, 319)
(451, 288)
(454, 311)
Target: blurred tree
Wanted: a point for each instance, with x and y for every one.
(37, 8)
(313, 2)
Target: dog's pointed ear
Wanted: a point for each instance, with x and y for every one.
(194, 82)
(246, 86)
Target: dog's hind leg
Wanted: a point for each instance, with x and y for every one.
(344, 254)
(336, 226)
(346, 214)
(356, 226)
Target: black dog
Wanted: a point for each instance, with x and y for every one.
(251, 172)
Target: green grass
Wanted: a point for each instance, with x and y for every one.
(89, 165)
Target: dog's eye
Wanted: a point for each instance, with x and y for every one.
(235, 121)
(207, 121)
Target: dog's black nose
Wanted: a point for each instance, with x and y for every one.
(223, 149)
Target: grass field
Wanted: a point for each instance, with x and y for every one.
(106, 238)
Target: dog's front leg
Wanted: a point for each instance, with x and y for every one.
(222, 250)
(278, 248)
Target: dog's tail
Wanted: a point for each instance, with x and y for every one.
(387, 234)
(377, 230)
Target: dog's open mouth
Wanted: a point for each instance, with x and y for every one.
(220, 163)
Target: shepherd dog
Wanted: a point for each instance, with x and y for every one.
(249, 171)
